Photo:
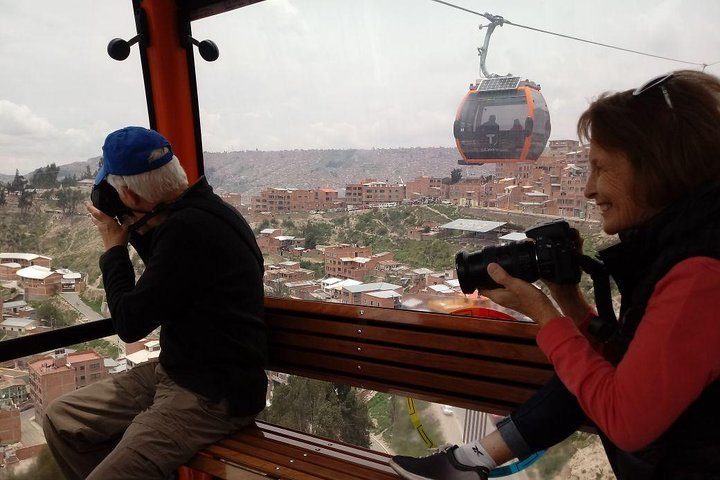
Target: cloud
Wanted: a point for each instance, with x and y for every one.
(28, 140)
(326, 73)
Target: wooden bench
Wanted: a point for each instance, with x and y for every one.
(481, 364)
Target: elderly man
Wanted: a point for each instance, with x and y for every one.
(202, 286)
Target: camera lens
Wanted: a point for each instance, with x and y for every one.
(518, 259)
(106, 199)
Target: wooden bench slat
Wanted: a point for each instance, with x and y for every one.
(493, 369)
(218, 468)
(404, 377)
(323, 462)
(259, 463)
(465, 400)
(302, 309)
(287, 454)
(295, 437)
(438, 341)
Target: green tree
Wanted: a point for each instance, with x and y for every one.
(43, 468)
(320, 408)
(3, 199)
(87, 174)
(317, 267)
(356, 424)
(18, 183)
(263, 225)
(56, 317)
(455, 175)
(69, 199)
(70, 181)
(46, 177)
(316, 233)
(25, 201)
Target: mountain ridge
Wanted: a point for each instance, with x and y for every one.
(249, 171)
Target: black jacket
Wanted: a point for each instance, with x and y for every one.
(690, 448)
(202, 284)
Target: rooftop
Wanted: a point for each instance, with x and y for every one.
(480, 226)
(35, 272)
(368, 287)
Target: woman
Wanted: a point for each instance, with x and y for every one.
(652, 387)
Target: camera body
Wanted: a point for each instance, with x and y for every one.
(106, 199)
(551, 253)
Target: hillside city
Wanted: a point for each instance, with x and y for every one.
(301, 263)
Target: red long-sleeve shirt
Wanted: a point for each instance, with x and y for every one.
(674, 355)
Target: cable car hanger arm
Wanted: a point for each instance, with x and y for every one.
(495, 21)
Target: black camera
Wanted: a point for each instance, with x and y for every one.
(106, 199)
(551, 254)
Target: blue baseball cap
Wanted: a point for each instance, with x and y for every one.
(126, 152)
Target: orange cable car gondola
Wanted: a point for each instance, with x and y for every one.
(501, 118)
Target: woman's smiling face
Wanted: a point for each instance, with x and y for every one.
(612, 185)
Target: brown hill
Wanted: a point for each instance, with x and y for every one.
(248, 172)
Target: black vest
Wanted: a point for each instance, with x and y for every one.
(690, 448)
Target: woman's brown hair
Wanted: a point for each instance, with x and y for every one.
(672, 142)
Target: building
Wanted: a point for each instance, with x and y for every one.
(288, 272)
(347, 261)
(383, 298)
(10, 425)
(425, 188)
(150, 351)
(16, 308)
(470, 192)
(233, 198)
(353, 294)
(370, 192)
(8, 271)
(374, 193)
(71, 281)
(26, 259)
(562, 147)
(18, 327)
(39, 282)
(14, 386)
(53, 375)
(271, 241)
(283, 200)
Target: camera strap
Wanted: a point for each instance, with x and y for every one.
(605, 324)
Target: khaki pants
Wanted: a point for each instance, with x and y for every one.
(135, 425)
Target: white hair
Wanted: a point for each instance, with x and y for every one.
(156, 185)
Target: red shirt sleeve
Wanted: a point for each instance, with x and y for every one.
(672, 358)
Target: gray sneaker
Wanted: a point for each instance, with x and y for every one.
(438, 466)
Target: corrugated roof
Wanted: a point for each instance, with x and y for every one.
(35, 272)
(25, 256)
(368, 287)
(481, 226)
(385, 294)
(18, 322)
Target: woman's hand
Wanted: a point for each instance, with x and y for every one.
(111, 231)
(570, 300)
(521, 296)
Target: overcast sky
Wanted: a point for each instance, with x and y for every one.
(327, 73)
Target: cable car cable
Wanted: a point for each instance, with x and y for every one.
(491, 17)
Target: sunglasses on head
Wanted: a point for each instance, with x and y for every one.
(657, 82)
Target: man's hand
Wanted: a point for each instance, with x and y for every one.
(521, 296)
(111, 231)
